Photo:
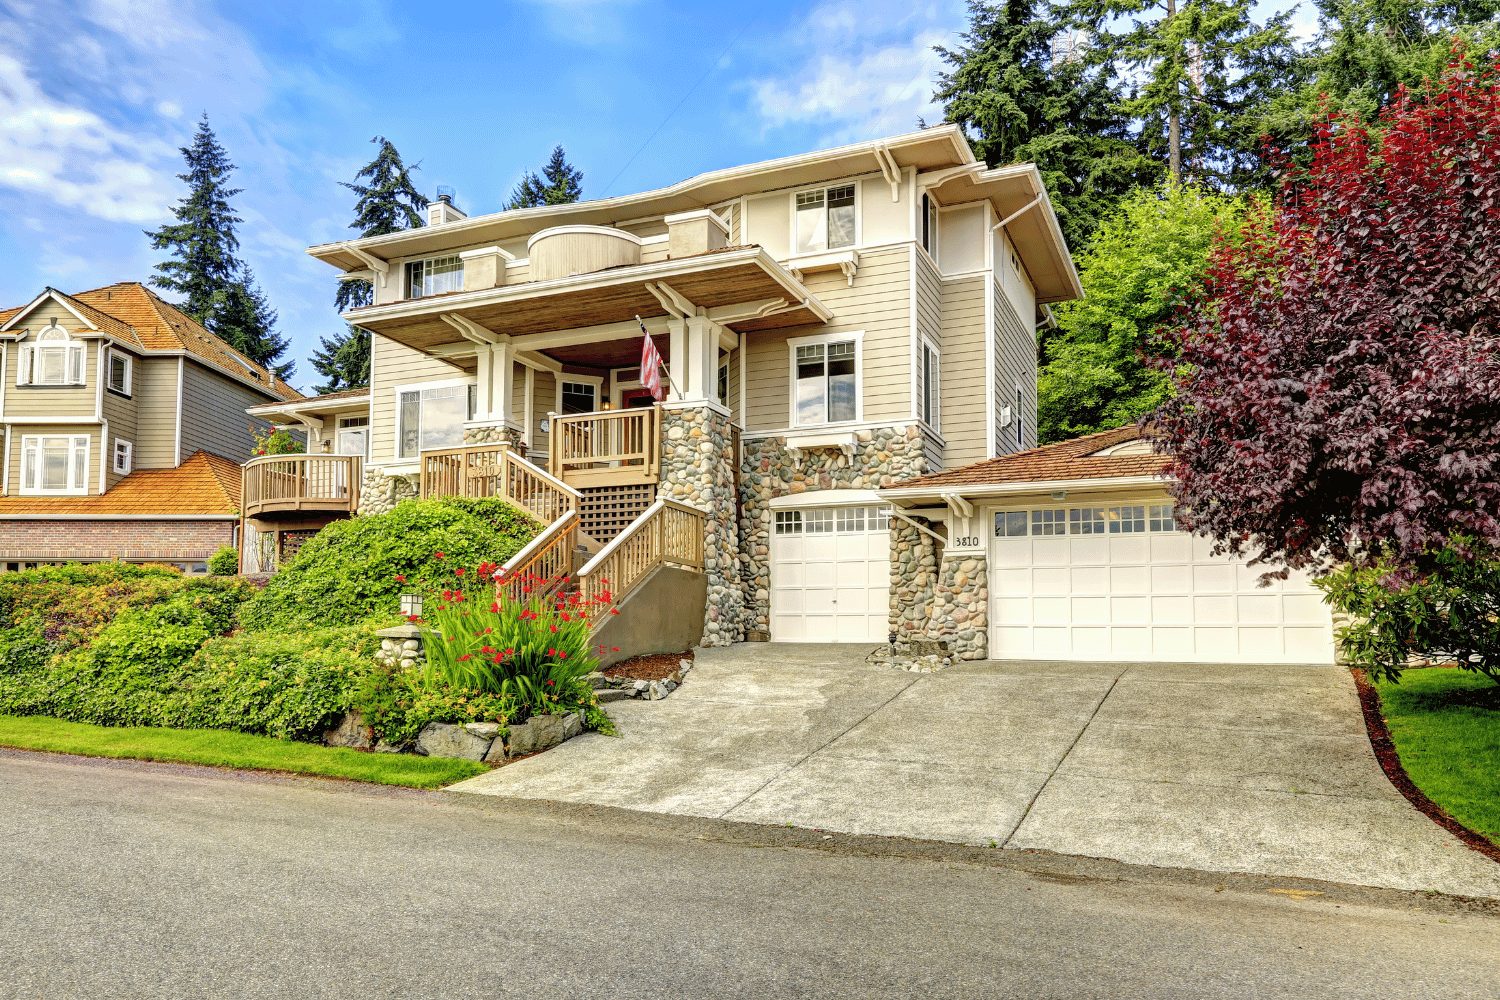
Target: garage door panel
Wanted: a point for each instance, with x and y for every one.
(1303, 609)
(1048, 551)
(1129, 579)
(1213, 610)
(1012, 641)
(819, 573)
(1258, 609)
(1006, 582)
(1209, 643)
(1090, 580)
(1130, 641)
(1170, 579)
(852, 572)
(1051, 581)
(1130, 610)
(1091, 610)
(1013, 553)
(831, 586)
(1129, 549)
(1305, 644)
(1173, 548)
(1090, 550)
(1203, 548)
(1050, 610)
(1260, 643)
(1005, 610)
(1051, 640)
(1091, 641)
(852, 600)
(1172, 610)
(814, 601)
(1248, 578)
(1213, 577)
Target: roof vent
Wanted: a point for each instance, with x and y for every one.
(444, 210)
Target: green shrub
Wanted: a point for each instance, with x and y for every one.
(225, 562)
(66, 605)
(396, 704)
(357, 568)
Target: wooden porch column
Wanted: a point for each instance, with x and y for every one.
(702, 361)
(677, 361)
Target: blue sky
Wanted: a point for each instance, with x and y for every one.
(96, 97)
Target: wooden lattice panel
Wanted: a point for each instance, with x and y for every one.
(605, 511)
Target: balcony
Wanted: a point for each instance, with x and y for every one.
(606, 448)
(292, 486)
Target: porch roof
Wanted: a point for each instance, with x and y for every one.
(717, 281)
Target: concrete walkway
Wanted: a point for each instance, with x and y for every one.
(1265, 770)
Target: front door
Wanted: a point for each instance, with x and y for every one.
(631, 399)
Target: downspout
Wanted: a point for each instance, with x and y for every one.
(99, 375)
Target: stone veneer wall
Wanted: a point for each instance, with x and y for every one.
(493, 434)
(914, 562)
(378, 492)
(881, 456)
(960, 606)
(697, 469)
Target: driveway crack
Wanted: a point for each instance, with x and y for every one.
(1058, 766)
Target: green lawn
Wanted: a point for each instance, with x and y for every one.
(223, 749)
(1446, 727)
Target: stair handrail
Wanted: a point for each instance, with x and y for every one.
(559, 537)
(663, 550)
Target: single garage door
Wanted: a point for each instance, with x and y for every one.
(1122, 582)
(831, 575)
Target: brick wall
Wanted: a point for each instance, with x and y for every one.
(165, 540)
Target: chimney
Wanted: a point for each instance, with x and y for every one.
(443, 210)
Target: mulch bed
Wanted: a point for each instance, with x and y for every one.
(1390, 761)
(650, 667)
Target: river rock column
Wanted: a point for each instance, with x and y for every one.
(960, 606)
(914, 565)
(697, 469)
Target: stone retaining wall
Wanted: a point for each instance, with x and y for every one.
(378, 493)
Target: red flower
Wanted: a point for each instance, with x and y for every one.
(437, 555)
(489, 631)
(565, 617)
(466, 656)
(614, 649)
(551, 682)
(459, 571)
(400, 578)
(614, 611)
(554, 628)
(495, 607)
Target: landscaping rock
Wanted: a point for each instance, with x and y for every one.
(384, 747)
(572, 725)
(484, 730)
(522, 740)
(351, 732)
(607, 695)
(446, 739)
(497, 754)
(548, 730)
(597, 681)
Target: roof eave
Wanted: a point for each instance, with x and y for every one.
(897, 494)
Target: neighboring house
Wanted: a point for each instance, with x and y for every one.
(1072, 552)
(124, 426)
(832, 323)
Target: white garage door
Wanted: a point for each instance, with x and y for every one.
(1121, 582)
(830, 575)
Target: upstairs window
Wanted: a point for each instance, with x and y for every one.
(1020, 424)
(53, 360)
(57, 464)
(433, 418)
(929, 226)
(827, 385)
(123, 456)
(119, 372)
(434, 276)
(825, 219)
(929, 384)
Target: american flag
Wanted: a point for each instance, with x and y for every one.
(650, 365)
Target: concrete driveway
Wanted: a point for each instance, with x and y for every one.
(1257, 769)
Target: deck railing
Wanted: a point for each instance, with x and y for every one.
(495, 470)
(607, 447)
(545, 561)
(668, 532)
(289, 483)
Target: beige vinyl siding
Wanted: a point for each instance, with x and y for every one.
(545, 402)
(519, 272)
(964, 414)
(518, 393)
(123, 423)
(732, 395)
(730, 213)
(878, 304)
(1015, 363)
(391, 365)
(929, 300)
(52, 400)
(213, 414)
(17, 432)
(155, 392)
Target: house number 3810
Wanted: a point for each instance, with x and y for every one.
(966, 542)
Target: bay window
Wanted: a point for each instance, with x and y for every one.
(826, 381)
(432, 418)
(56, 464)
(825, 218)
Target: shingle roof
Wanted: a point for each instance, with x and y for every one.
(202, 484)
(1075, 459)
(135, 315)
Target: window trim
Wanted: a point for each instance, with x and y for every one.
(929, 399)
(109, 366)
(594, 380)
(32, 442)
(927, 226)
(406, 266)
(129, 463)
(28, 356)
(1020, 423)
(793, 250)
(792, 343)
(396, 392)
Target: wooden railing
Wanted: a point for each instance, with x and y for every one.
(290, 483)
(668, 532)
(495, 470)
(608, 447)
(540, 567)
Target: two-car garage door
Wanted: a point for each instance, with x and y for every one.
(1119, 581)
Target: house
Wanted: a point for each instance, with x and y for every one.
(124, 429)
(1072, 551)
(831, 323)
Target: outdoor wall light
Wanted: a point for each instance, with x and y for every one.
(1059, 495)
(411, 605)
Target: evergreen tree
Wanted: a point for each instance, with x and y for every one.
(560, 184)
(1006, 87)
(344, 360)
(220, 289)
(388, 203)
(1208, 72)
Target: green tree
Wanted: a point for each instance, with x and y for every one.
(388, 203)
(344, 360)
(219, 288)
(560, 184)
(1143, 259)
(1207, 73)
(1022, 99)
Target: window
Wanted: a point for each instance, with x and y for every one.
(724, 383)
(1162, 518)
(825, 390)
(929, 384)
(119, 372)
(817, 522)
(1086, 521)
(1010, 524)
(123, 451)
(825, 219)
(1049, 522)
(850, 518)
(433, 418)
(880, 519)
(1127, 520)
(929, 226)
(788, 522)
(579, 397)
(1020, 424)
(55, 464)
(52, 360)
(434, 276)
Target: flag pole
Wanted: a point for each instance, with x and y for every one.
(660, 367)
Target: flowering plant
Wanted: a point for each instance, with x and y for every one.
(523, 636)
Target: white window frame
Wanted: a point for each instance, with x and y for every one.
(858, 337)
(927, 226)
(1020, 423)
(929, 396)
(796, 251)
(109, 371)
(596, 381)
(406, 278)
(418, 387)
(123, 457)
(75, 358)
(79, 446)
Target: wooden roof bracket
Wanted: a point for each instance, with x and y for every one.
(671, 300)
(1012, 217)
(471, 331)
(890, 168)
(900, 515)
(371, 261)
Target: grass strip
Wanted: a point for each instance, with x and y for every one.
(1445, 726)
(218, 748)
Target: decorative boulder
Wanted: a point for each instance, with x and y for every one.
(548, 730)
(572, 725)
(446, 739)
(350, 732)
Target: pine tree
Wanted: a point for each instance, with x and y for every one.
(242, 310)
(344, 360)
(560, 184)
(1060, 113)
(388, 203)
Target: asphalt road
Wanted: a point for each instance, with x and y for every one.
(128, 880)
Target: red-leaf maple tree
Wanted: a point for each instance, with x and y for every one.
(1337, 392)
